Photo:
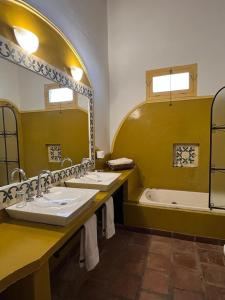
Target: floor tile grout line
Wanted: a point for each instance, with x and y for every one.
(142, 277)
(201, 271)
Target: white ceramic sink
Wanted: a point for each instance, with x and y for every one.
(102, 181)
(58, 207)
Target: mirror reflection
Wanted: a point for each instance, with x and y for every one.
(40, 123)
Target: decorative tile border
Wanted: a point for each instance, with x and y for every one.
(8, 193)
(15, 54)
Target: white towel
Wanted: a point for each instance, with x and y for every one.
(108, 225)
(89, 254)
(120, 161)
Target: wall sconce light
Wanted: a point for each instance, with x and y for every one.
(26, 39)
(77, 73)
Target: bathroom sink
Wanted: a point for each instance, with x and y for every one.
(58, 207)
(102, 181)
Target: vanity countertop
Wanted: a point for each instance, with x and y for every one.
(26, 246)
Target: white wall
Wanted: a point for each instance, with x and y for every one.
(23, 88)
(31, 90)
(84, 23)
(9, 82)
(148, 34)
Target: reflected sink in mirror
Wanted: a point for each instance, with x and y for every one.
(102, 181)
(59, 207)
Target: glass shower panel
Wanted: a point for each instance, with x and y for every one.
(218, 189)
(11, 145)
(218, 113)
(9, 152)
(3, 174)
(218, 149)
(1, 121)
(2, 148)
(217, 163)
(10, 120)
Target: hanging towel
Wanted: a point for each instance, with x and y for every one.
(108, 225)
(89, 254)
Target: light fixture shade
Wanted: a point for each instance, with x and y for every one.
(77, 73)
(26, 39)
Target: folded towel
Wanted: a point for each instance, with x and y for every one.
(120, 161)
(89, 254)
(108, 225)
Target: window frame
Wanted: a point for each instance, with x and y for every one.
(172, 95)
(58, 105)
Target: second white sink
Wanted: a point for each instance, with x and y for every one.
(102, 181)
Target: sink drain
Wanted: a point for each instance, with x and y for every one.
(173, 202)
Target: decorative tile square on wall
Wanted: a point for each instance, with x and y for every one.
(185, 155)
(54, 152)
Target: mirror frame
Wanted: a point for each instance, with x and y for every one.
(14, 54)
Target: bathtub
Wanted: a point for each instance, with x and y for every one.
(175, 199)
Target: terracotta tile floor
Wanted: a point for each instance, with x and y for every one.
(136, 266)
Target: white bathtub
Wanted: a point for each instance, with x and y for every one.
(175, 199)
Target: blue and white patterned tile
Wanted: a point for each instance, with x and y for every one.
(54, 153)
(186, 155)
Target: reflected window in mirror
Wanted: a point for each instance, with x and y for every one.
(57, 97)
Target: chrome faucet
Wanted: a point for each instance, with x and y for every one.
(66, 159)
(21, 172)
(29, 196)
(39, 192)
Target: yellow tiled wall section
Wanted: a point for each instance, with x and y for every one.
(68, 128)
(148, 133)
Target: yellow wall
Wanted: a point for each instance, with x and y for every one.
(68, 128)
(148, 133)
(195, 223)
